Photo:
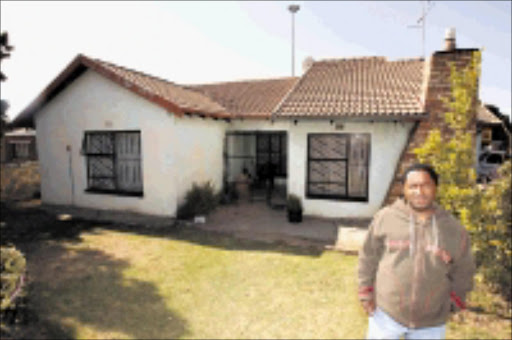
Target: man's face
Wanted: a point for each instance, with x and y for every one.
(419, 190)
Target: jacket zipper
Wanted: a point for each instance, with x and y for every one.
(418, 259)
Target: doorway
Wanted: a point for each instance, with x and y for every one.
(263, 155)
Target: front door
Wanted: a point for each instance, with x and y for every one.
(271, 150)
(271, 165)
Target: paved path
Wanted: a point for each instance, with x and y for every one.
(255, 220)
(251, 220)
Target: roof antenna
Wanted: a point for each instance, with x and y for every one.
(422, 22)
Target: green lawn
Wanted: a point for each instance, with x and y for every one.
(188, 283)
(122, 285)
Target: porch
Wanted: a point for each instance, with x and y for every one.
(256, 220)
(245, 219)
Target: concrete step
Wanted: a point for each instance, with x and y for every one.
(350, 238)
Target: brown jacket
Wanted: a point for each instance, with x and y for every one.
(416, 285)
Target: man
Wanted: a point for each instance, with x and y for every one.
(415, 265)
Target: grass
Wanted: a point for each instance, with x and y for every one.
(120, 285)
(111, 281)
(488, 317)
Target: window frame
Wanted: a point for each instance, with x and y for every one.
(346, 197)
(116, 191)
(20, 149)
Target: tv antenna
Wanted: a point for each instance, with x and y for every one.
(422, 22)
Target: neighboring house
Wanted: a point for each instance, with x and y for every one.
(493, 130)
(493, 141)
(18, 146)
(338, 137)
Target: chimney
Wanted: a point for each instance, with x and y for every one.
(449, 39)
(307, 63)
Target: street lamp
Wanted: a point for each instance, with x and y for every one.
(293, 9)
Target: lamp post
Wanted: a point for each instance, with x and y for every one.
(293, 9)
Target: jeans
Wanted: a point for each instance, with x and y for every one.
(382, 326)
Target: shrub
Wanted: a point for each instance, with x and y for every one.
(485, 212)
(492, 237)
(199, 200)
(12, 277)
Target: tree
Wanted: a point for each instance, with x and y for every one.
(4, 105)
(4, 53)
(483, 210)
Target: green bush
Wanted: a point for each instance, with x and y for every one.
(199, 200)
(484, 211)
(492, 240)
(12, 278)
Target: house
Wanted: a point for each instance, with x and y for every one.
(493, 130)
(493, 141)
(339, 136)
(18, 145)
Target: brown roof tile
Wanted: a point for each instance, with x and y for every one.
(484, 115)
(252, 98)
(358, 87)
(161, 90)
(172, 97)
(363, 87)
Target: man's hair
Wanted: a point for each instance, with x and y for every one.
(422, 167)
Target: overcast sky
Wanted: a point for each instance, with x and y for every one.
(203, 42)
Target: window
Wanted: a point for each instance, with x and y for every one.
(20, 149)
(487, 135)
(113, 162)
(338, 166)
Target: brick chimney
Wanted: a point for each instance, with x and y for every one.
(449, 39)
(437, 86)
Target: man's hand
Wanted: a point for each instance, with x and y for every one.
(368, 306)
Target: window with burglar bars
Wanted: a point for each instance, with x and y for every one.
(338, 166)
(113, 162)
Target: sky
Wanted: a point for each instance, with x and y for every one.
(197, 42)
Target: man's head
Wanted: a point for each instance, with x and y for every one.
(420, 185)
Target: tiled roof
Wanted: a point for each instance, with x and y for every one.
(186, 100)
(21, 132)
(253, 98)
(484, 115)
(358, 87)
(172, 97)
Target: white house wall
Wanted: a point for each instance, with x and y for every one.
(177, 152)
(387, 143)
(199, 152)
(93, 102)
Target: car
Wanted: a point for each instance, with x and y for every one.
(488, 163)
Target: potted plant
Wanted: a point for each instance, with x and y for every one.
(294, 208)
